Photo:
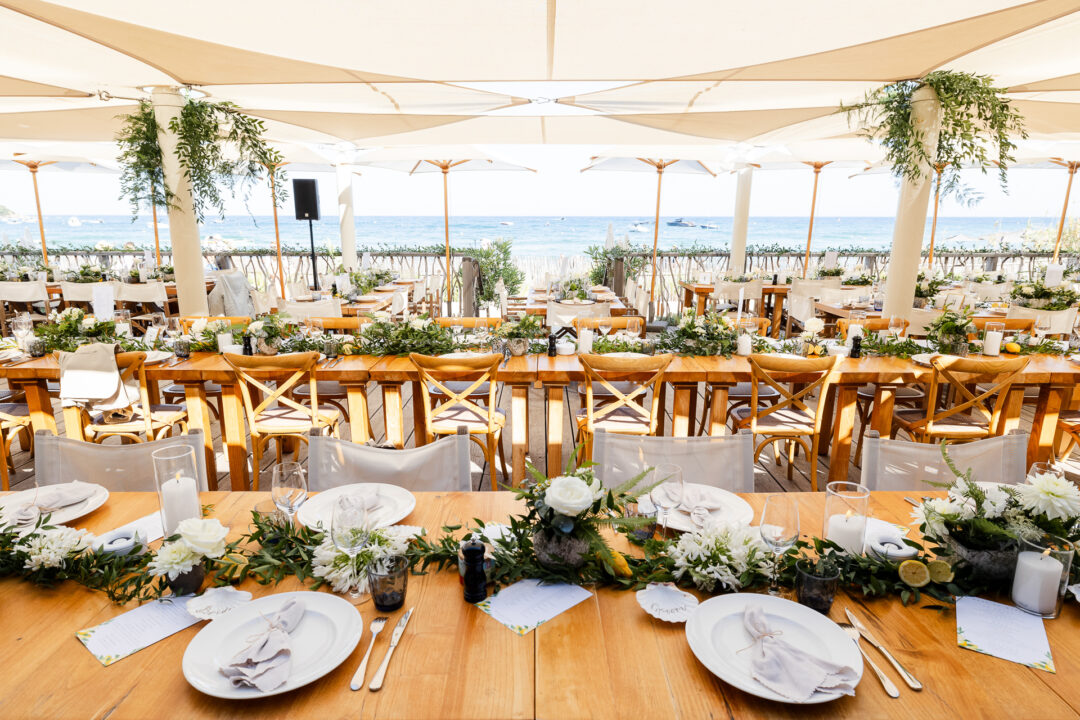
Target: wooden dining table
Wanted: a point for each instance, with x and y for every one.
(696, 295)
(602, 658)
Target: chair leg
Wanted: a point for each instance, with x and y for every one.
(864, 410)
(813, 462)
(256, 460)
(1068, 448)
(790, 460)
(499, 436)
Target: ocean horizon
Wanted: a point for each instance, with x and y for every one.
(531, 235)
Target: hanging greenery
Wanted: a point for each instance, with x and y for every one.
(218, 146)
(978, 125)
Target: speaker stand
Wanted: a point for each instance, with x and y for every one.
(314, 264)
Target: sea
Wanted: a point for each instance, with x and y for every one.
(531, 236)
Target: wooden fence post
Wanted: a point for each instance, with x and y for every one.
(618, 280)
(470, 278)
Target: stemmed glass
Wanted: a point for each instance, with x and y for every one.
(896, 327)
(349, 531)
(633, 326)
(779, 530)
(315, 327)
(669, 493)
(289, 488)
(1042, 325)
(22, 327)
(160, 322)
(604, 326)
(174, 327)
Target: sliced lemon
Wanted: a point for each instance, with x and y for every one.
(940, 571)
(914, 573)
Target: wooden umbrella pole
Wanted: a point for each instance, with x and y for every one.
(277, 236)
(813, 203)
(41, 222)
(1072, 167)
(153, 212)
(446, 228)
(933, 226)
(655, 237)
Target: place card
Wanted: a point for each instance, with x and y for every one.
(831, 258)
(527, 604)
(136, 629)
(151, 336)
(1003, 631)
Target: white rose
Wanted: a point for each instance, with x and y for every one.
(87, 323)
(568, 495)
(380, 315)
(198, 327)
(815, 325)
(256, 327)
(206, 536)
(419, 323)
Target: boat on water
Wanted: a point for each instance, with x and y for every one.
(74, 222)
(639, 227)
(505, 222)
(97, 221)
(681, 223)
(709, 226)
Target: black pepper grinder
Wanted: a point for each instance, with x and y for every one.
(856, 346)
(475, 577)
(775, 279)
(551, 345)
(247, 345)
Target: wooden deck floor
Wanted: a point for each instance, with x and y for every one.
(768, 476)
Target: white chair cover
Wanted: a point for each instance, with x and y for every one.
(439, 466)
(840, 296)
(800, 306)
(906, 465)
(297, 290)
(800, 286)
(725, 462)
(24, 292)
(264, 302)
(992, 291)
(1061, 321)
(149, 292)
(119, 468)
(330, 307)
(729, 291)
(398, 303)
(920, 320)
(561, 315)
(82, 292)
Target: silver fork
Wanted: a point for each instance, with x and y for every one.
(890, 688)
(358, 678)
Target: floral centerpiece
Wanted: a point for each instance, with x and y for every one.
(519, 333)
(1035, 294)
(87, 274)
(183, 557)
(926, 288)
(824, 272)
(418, 334)
(576, 288)
(364, 281)
(949, 332)
(204, 333)
(722, 556)
(617, 342)
(268, 332)
(67, 329)
(708, 334)
(812, 343)
(861, 280)
(344, 573)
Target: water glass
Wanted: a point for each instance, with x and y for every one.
(668, 494)
(896, 327)
(646, 531)
(289, 488)
(315, 326)
(22, 327)
(182, 347)
(847, 506)
(175, 327)
(349, 530)
(604, 326)
(633, 326)
(388, 580)
(159, 321)
(779, 530)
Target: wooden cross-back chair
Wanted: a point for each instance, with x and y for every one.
(187, 321)
(278, 416)
(154, 424)
(333, 392)
(617, 323)
(1024, 325)
(14, 420)
(739, 393)
(491, 323)
(174, 392)
(971, 416)
(621, 408)
(448, 387)
(790, 419)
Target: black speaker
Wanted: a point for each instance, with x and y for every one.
(306, 199)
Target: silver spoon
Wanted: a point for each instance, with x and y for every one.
(358, 679)
(890, 688)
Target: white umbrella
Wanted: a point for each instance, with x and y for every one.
(454, 158)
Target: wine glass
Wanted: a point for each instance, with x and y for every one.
(668, 494)
(289, 488)
(349, 530)
(896, 326)
(174, 327)
(1042, 325)
(604, 325)
(314, 326)
(633, 326)
(457, 326)
(779, 530)
(22, 327)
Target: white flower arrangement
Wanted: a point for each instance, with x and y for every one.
(199, 539)
(814, 326)
(1050, 495)
(257, 329)
(51, 547)
(343, 572)
(571, 495)
(729, 555)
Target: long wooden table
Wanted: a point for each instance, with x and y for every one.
(696, 295)
(603, 658)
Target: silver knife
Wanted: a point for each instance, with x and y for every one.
(908, 677)
(377, 681)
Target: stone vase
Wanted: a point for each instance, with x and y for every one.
(188, 583)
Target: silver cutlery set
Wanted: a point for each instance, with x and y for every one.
(380, 675)
(855, 629)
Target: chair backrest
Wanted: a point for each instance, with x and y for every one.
(604, 370)
(297, 290)
(253, 371)
(919, 320)
(725, 461)
(441, 466)
(616, 323)
(966, 376)
(236, 292)
(82, 292)
(188, 320)
(27, 292)
(992, 291)
(353, 322)
(131, 366)
(799, 286)
(878, 324)
(906, 465)
(264, 301)
(436, 371)
(840, 296)
(399, 302)
(562, 315)
(729, 291)
(469, 322)
(119, 468)
(328, 307)
(148, 292)
(1011, 324)
(808, 374)
(1061, 321)
(800, 306)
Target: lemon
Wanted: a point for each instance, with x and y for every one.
(1012, 347)
(348, 349)
(940, 571)
(619, 565)
(914, 573)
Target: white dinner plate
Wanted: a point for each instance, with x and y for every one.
(65, 514)
(716, 635)
(732, 508)
(923, 359)
(395, 503)
(157, 356)
(326, 636)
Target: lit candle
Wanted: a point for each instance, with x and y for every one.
(179, 501)
(745, 344)
(992, 343)
(1037, 582)
(847, 531)
(585, 340)
(224, 341)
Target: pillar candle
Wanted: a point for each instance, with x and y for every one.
(224, 340)
(1037, 582)
(179, 501)
(745, 345)
(847, 531)
(992, 343)
(585, 340)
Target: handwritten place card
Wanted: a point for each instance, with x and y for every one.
(1003, 631)
(527, 604)
(136, 629)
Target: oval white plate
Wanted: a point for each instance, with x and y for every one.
(395, 503)
(716, 634)
(326, 636)
(64, 514)
(732, 508)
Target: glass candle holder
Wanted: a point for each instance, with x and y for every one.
(35, 346)
(847, 505)
(642, 510)
(387, 581)
(1042, 574)
(182, 347)
(992, 339)
(175, 473)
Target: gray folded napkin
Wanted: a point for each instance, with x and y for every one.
(265, 664)
(63, 494)
(787, 670)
